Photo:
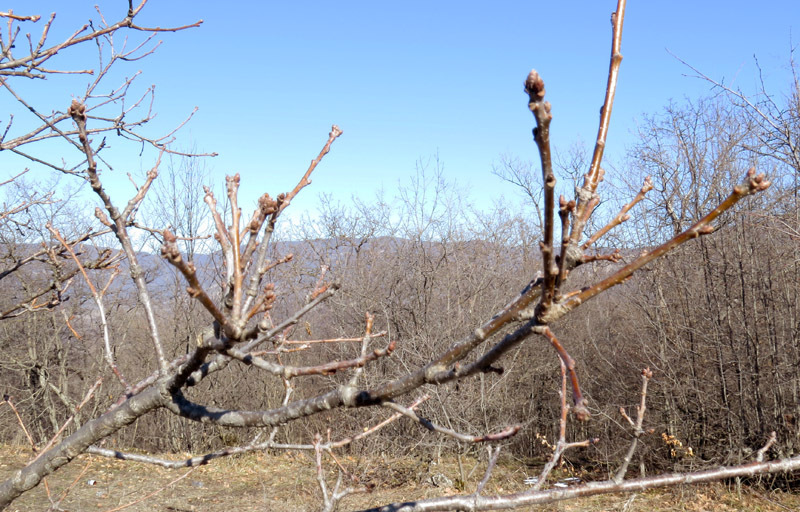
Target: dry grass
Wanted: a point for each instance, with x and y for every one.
(286, 482)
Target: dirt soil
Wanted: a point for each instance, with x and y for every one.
(287, 482)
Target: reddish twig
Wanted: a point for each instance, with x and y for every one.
(170, 252)
(264, 303)
(305, 181)
(580, 411)
(614, 257)
(561, 445)
(264, 330)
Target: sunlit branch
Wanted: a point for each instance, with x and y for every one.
(753, 184)
(592, 178)
(534, 87)
(328, 368)
(622, 216)
(541, 497)
(78, 113)
(305, 181)
(98, 299)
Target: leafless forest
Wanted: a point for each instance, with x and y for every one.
(647, 329)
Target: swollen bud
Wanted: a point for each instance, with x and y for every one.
(534, 86)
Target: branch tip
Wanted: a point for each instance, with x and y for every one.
(534, 86)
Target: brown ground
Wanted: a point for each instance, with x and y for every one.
(287, 482)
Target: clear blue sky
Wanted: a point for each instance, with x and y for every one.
(405, 80)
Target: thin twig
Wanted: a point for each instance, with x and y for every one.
(580, 411)
(150, 495)
(7, 399)
(594, 175)
(98, 299)
(561, 445)
(622, 216)
(637, 427)
(86, 399)
(328, 368)
(493, 454)
(497, 436)
(305, 181)
(10, 14)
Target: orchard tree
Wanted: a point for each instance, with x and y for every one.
(246, 328)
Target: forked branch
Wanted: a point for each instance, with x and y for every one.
(754, 183)
(637, 426)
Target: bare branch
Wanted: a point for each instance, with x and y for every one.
(98, 299)
(532, 498)
(328, 368)
(562, 445)
(493, 454)
(753, 184)
(7, 400)
(77, 111)
(580, 411)
(637, 427)
(766, 447)
(534, 87)
(305, 181)
(622, 216)
(504, 434)
(10, 14)
(594, 176)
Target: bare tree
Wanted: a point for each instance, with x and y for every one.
(250, 323)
